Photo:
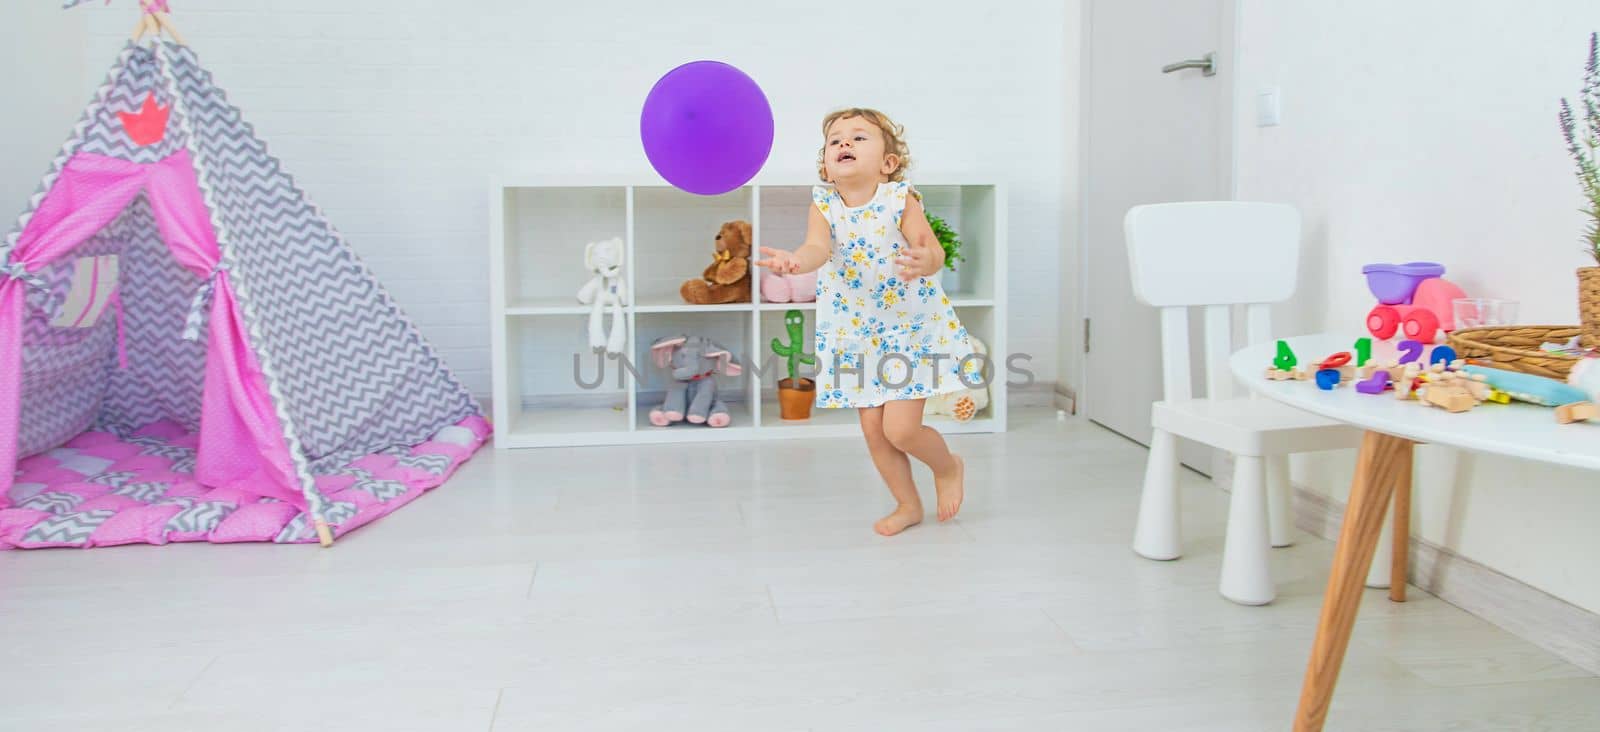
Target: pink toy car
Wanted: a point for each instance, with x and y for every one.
(1413, 296)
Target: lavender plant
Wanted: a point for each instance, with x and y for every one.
(1583, 143)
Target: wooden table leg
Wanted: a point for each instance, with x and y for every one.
(1400, 557)
(1376, 471)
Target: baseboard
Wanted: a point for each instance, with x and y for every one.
(1065, 399)
(1317, 514)
(1037, 394)
(1533, 615)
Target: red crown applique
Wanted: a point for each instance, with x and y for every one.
(149, 125)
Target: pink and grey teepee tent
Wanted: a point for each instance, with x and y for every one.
(190, 352)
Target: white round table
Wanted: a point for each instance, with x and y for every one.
(1516, 430)
(1392, 427)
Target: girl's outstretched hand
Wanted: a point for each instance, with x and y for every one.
(780, 261)
(919, 261)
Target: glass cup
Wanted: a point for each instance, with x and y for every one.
(1479, 312)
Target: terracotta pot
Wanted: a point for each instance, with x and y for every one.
(1589, 305)
(794, 402)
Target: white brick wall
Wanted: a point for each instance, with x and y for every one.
(393, 115)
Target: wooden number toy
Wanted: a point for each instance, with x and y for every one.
(1577, 412)
(1363, 351)
(1285, 360)
(1410, 351)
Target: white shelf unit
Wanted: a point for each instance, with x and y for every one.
(543, 397)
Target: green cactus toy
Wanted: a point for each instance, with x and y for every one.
(794, 321)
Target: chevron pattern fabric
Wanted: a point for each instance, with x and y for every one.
(104, 490)
(364, 378)
(350, 376)
(70, 376)
(349, 373)
(63, 369)
(160, 448)
(52, 502)
(61, 389)
(165, 378)
(302, 530)
(115, 479)
(140, 78)
(435, 464)
(70, 380)
(71, 529)
(144, 492)
(200, 517)
(383, 490)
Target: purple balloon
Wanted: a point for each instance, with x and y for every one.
(706, 127)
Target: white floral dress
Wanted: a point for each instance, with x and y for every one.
(879, 337)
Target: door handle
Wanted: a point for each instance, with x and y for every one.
(1207, 65)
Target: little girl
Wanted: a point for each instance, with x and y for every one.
(887, 337)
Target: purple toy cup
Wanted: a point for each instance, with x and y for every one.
(1393, 284)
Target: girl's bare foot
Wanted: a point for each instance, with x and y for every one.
(904, 517)
(951, 489)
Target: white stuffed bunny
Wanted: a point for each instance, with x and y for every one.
(1586, 376)
(961, 405)
(604, 259)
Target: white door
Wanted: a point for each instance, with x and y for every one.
(1150, 137)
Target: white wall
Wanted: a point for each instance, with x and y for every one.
(1427, 130)
(43, 92)
(1069, 334)
(393, 115)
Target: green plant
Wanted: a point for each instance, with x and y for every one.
(947, 239)
(794, 322)
(1583, 142)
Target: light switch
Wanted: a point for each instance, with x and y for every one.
(1268, 108)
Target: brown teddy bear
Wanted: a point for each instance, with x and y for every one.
(728, 278)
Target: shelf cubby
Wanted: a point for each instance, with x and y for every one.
(538, 229)
(674, 238)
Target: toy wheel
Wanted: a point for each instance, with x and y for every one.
(1422, 325)
(1383, 322)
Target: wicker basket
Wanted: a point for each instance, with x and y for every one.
(1589, 305)
(1516, 348)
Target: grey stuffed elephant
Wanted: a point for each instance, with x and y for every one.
(692, 364)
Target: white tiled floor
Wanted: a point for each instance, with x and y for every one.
(655, 588)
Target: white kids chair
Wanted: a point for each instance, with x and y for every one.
(1215, 255)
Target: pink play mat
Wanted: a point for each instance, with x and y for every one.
(101, 490)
